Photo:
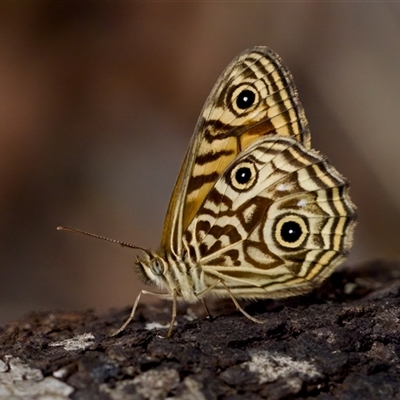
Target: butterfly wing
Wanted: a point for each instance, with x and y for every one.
(254, 97)
(277, 221)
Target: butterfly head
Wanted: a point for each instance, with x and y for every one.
(151, 269)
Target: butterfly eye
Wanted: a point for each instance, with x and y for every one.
(243, 176)
(243, 97)
(156, 266)
(291, 231)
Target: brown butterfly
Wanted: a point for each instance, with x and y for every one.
(255, 212)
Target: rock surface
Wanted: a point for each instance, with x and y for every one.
(340, 342)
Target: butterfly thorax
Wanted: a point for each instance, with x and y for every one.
(174, 274)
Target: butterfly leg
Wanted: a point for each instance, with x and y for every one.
(173, 317)
(205, 306)
(204, 292)
(132, 314)
(258, 321)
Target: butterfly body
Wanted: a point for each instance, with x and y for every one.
(181, 277)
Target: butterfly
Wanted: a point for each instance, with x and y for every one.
(255, 212)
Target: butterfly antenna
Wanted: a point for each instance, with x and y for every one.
(124, 244)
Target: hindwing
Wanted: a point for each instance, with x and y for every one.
(277, 221)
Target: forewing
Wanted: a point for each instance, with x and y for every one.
(277, 222)
(254, 97)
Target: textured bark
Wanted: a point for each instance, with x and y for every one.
(340, 342)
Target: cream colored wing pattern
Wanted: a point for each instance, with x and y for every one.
(276, 223)
(254, 97)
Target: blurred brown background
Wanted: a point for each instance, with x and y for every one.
(98, 102)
